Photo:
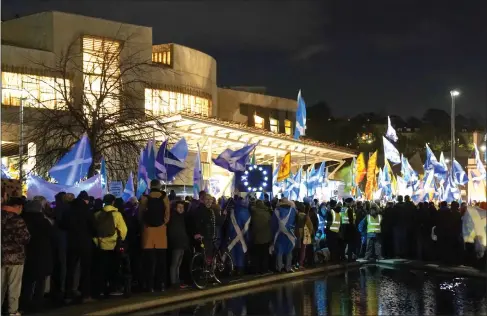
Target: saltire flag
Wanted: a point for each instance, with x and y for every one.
(371, 178)
(5, 172)
(197, 175)
(129, 190)
(391, 132)
(459, 176)
(308, 183)
(431, 163)
(170, 162)
(284, 168)
(442, 176)
(300, 117)
(316, 179)
(426, 188)
(408, 173)
(361, 169)
(74, 165)
(234, 160)
(295, 187)
(104, 177)
(390, 152)
(451, 191)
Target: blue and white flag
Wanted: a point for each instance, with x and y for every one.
(74, 165)
(451, 191)
(104, 177)
(431, 163)
(5, 173)
(409, 175)
(300, 117)
(316, 179)
(480, 165)
(197, 175)
(129, 190)
(275, 185)
(234, 160)
(36, 186)
(459, 176)
(170, 162)
(295, 187)
(390, 152)
(391, 132)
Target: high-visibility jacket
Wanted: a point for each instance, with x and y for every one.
(344, 216)
(373, 224)
(335, 225)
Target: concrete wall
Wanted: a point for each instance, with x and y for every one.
(33, 31)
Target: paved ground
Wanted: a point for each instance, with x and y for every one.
(119, 305)
(115, 306)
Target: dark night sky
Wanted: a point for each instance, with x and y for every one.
(392, 56)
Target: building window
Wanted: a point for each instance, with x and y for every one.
(288, 129)
(162, 58)
(258, 121)
(274, 125)
(37, 91)
(162, 102)
(101, 68)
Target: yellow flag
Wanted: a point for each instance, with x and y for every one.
(284, 168)
(371, 178)
(361, 169)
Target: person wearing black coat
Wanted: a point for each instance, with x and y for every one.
(178, 239)
(79, 229)
(39, 256)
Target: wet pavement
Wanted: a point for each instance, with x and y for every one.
(370, 290)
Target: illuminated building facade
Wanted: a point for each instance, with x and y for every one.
(182, 89)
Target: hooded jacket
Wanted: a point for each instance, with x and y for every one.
(14, 237)
(260, 223)
(109, 243)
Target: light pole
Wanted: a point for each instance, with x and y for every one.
(21, 137)
(453, 94)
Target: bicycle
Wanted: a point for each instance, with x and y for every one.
(201, 271)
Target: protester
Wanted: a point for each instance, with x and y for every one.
(178, 238)
(333, 223)
(154, 213)
(110, 231)
(260, 234)
(282, 223)
(15, 236)
(372, 225)
(39, 255)
(78, 222)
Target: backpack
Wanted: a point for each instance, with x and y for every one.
(104, 225)
(155, 212)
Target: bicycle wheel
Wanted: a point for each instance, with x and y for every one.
(199, 271)
(222, 266)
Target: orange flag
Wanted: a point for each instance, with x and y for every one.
(371, 178)
(361, 169)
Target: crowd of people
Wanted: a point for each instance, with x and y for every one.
(77, 249)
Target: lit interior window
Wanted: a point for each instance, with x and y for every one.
(163, 57)
(259, 121)
(36, 91)
(274, 125)
(288, 129)
(101, 67)
(162, 102)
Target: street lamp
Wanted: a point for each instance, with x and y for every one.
(453, 94)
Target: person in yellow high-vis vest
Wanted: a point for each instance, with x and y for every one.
(333, 223)
(372, 224)
(347, 228)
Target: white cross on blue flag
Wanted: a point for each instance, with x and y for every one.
(300, 117)
(73, 166)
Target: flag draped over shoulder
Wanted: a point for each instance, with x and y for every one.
(234, 160)
(129, 190)
(361, 169)
(300, 117)
(371, 177)
(391, 132)
(284, 168)
(74, 165)
(390, 152)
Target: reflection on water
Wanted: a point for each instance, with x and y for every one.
(367, 291)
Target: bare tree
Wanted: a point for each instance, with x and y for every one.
(95, 86)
